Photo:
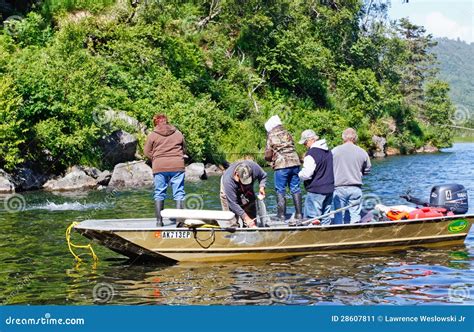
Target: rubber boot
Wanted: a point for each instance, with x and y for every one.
(297, 200)
(179, 222)
(158, 207)
(281, 207)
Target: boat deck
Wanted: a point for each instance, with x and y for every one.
(150, 224)
(123, 224)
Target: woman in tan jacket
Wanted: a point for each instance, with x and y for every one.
(165, 147)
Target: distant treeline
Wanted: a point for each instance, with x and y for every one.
(218, 69)
(457, 68)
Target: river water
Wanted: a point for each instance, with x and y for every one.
(36, 267)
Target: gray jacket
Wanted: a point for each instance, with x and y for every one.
(233, 190)
(350, 163)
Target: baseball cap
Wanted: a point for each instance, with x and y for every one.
(306, 135)
(245, 174)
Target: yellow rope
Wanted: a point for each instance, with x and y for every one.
(72, 245)
(209, 226)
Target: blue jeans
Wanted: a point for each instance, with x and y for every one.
(345, 196)
(287, 177)
(316, 205)
(163, 179)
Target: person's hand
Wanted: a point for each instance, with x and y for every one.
(249, 221)
(262, 192)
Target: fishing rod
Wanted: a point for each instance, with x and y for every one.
(313, 220)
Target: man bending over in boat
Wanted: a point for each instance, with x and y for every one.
(237, 193)
(350, 163)
(165, 147)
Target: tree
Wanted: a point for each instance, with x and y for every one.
(418, 61)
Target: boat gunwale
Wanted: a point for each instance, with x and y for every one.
(259, 229)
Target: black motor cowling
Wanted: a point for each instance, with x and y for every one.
(452, 197)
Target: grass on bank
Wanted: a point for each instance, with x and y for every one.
(463, 139)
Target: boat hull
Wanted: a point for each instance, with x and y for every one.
(139, 239)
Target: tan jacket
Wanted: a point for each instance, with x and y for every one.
(280, 150)
(165, 147)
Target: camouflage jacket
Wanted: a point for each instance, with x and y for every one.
(280, 150)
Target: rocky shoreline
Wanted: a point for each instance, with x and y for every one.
(131, 174)
(129, 171)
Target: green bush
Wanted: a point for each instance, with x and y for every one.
(218, 72)
(11, 125)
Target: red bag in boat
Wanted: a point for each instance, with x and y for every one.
(428, 212)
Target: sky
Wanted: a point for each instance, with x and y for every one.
(442, 18)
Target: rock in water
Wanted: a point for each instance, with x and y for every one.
(427, 149)
(27, 179)
(91, 171)
(6, 182)
(213, 170)
(104, 178)
(379, 143)
(75, 180)
(132, 174)
(119, 147)
(393, 151)
(195, 172)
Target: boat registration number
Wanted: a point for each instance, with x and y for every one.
(175, 235)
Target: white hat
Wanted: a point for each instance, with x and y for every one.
(273, 122)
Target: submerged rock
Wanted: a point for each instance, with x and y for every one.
(131, 174)
(119, 147)
(6, 182)
(74, 180)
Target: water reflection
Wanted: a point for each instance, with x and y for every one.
(36, 267)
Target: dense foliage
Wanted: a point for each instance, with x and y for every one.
(219, 69)
(457, 68)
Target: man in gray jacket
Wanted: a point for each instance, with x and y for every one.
(237, 193)
(350, 163)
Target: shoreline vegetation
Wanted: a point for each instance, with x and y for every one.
(463, 139)
(81, 80)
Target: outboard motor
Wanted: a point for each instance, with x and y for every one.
(452, 197)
